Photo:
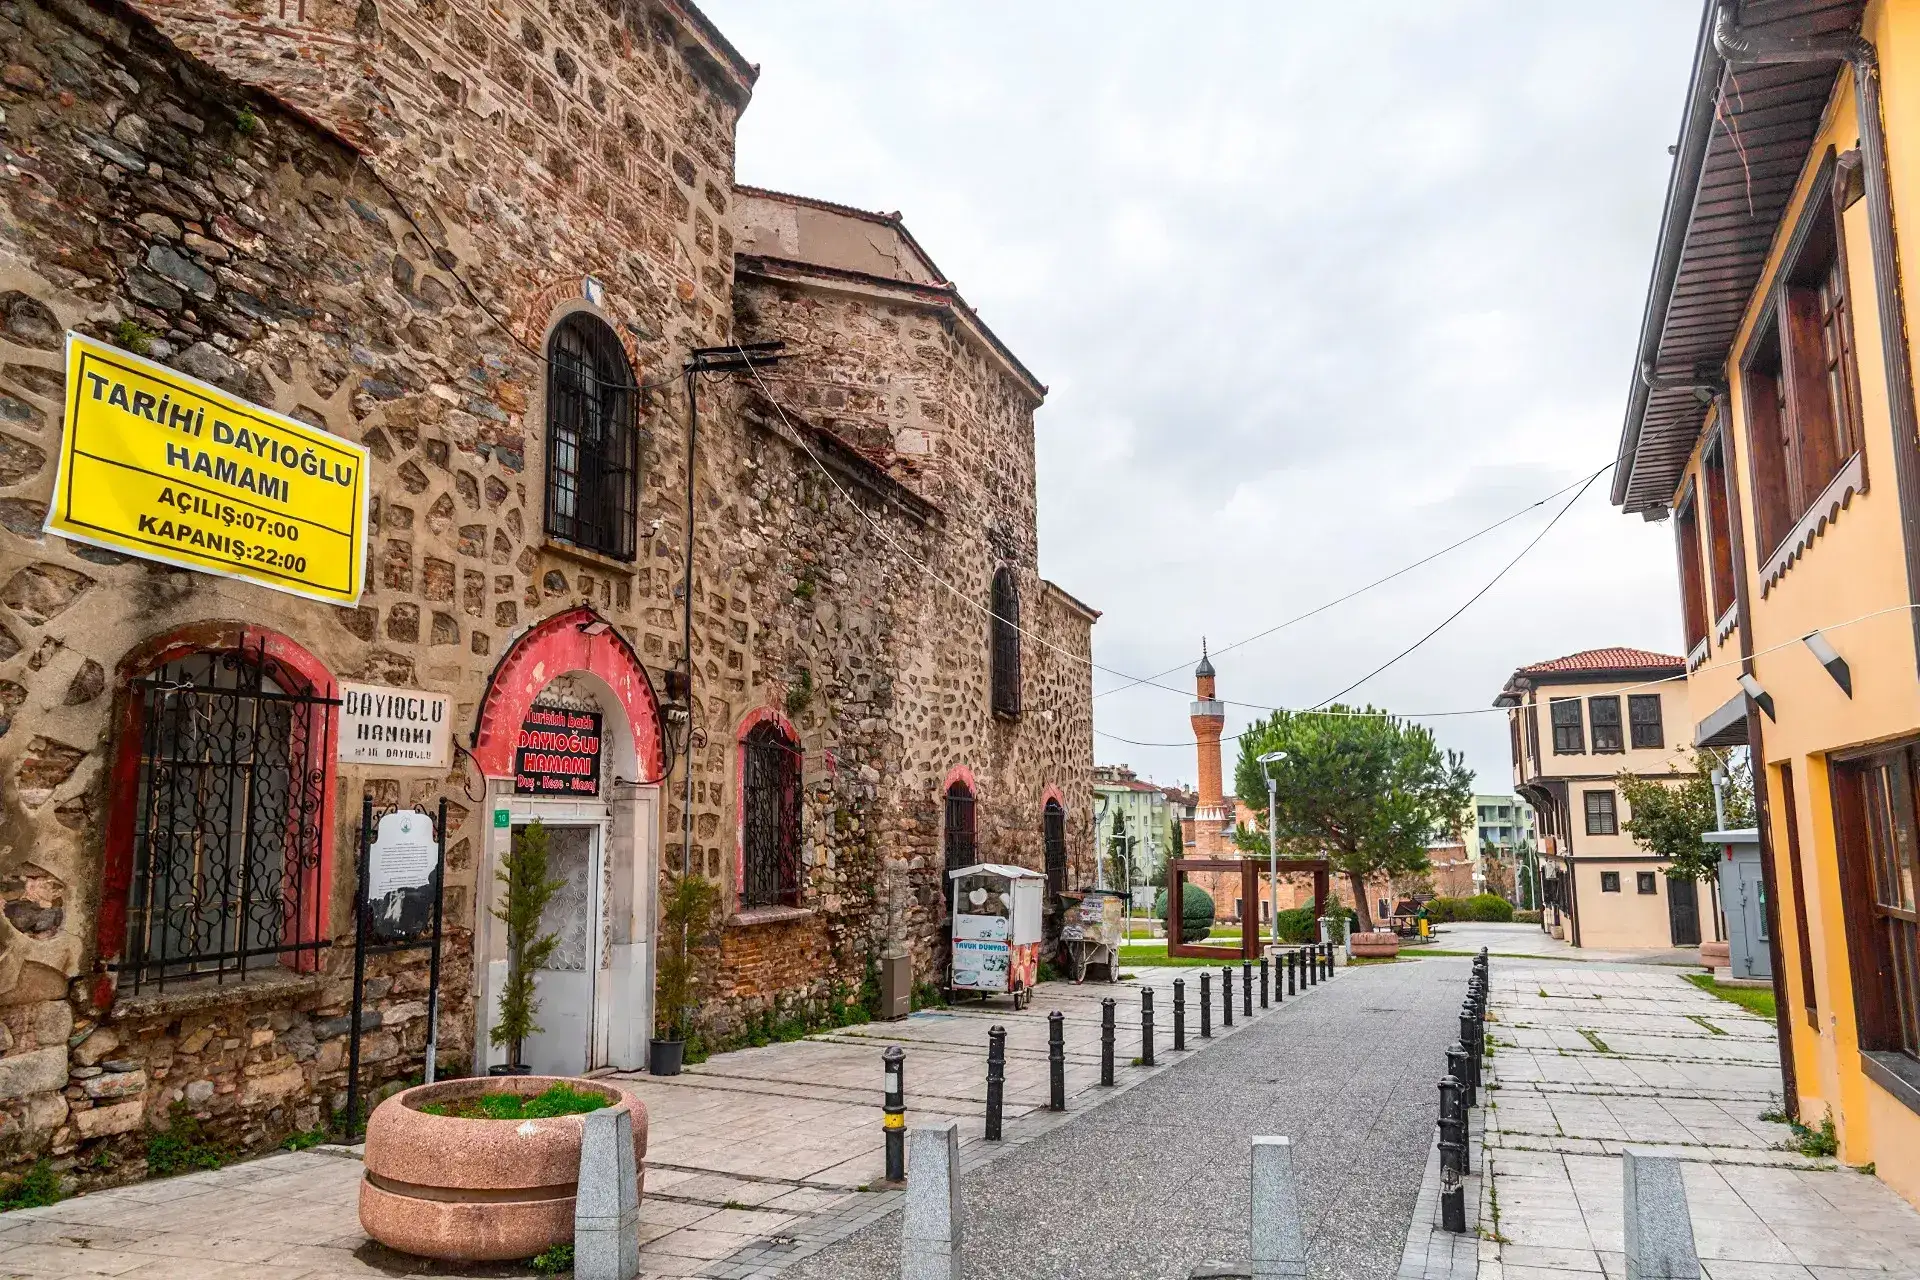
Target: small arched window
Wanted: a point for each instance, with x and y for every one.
(770, 820)
(961, 849)
(593, 446)
(1006, 643)
(1054, 832)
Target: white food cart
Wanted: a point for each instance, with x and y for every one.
(1091, 934)
(996, 930)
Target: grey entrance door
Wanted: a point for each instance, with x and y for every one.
(1683, 912)
(563, 1045)
(1747, 923)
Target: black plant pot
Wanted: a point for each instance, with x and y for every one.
(664, 1056)
(507, 1069)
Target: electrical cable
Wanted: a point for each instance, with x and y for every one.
(1490, 583)
(1358, 591)
(1596, 693)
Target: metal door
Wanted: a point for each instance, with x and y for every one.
(1683, 912)
(1753, 959)
(565, 984)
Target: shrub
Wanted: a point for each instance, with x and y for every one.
(1298, 925)
(1526, 917)
(1485, 908)
(1488, 908)
(1196, 911)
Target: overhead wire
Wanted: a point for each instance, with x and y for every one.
(1359, 591)
(1469, 602)
(1611, 691)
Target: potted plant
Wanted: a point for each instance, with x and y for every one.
(688, 908)
(523, 872)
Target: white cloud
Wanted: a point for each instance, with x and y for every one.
(1317, 289)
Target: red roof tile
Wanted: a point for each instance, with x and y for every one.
(1613, 659)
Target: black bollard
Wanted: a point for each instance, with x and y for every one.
(1179, 1013)
(1471, 1079)
(996, 1079)
(1310, 965)
(1106, 1041)
(1057, 1061)
(894, 1121)
(1457, 1069)
(1265, 981)
(1327, 957)
(1226, 996)
(1293, 969)
(1453, 1156)
(1246, 988)
(1146, 1026)
(1206, 1005)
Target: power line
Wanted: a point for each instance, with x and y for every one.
(1476, 595)
(1358, 591)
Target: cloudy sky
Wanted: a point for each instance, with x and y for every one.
(1317, 289)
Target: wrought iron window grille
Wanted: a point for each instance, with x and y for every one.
(229, 824)
(1006, 644)
(960, 846)
(770, 824)
(593, 439)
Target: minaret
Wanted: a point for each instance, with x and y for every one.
(1211, 815)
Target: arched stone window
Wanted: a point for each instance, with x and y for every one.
(769, 817)
(1006, 643)
(1054, 833)
(961, 847)
(221, 816)
(593, 447)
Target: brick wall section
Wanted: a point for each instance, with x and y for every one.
(535, 148)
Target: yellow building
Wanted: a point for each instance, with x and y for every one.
(1576, 724)
(1771, 418)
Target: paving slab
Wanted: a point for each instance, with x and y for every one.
(1589, 1063)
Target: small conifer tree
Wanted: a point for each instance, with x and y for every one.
(527, 891)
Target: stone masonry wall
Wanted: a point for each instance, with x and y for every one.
(570, 156)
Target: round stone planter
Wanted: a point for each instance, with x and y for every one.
(478, 1190)
(1376, 945)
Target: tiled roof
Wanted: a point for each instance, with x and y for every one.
(1612, 659)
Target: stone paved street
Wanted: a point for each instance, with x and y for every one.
(1591, 1059)
(754, 1156)
(1156, 1181)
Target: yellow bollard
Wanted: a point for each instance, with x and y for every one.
(1423, 928)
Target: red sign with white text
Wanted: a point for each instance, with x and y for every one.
(558, 753)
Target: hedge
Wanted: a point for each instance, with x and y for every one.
(1482, 908)
(1196, 911)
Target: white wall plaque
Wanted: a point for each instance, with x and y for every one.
(405, 728)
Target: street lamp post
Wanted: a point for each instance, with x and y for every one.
(1273, 850)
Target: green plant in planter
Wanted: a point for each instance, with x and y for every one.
(527, 891)
(686, 914)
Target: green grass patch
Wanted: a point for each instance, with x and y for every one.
(1357, 961)
(1711, 1029)
(557, 1100)
(1817, 1144)
(183, 1146)
(1157, 956)
(1755, 1000)
(1593, 1038)
(554, 1260)
(37, 1188)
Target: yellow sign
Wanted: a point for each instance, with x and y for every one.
(166, 467)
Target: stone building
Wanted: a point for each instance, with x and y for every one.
(483, 241)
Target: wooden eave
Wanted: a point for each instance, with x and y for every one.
(1745, 140)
